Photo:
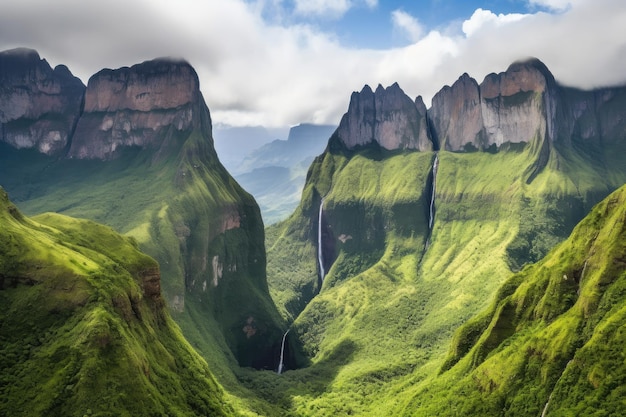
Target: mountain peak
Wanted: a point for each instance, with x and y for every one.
(24, 54)
(39, 106)
(156, 84)
(387, 116)
(121, 107)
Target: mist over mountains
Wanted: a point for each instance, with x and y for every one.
(432, 264)
(275, 172)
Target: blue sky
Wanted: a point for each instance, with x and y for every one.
(371, 25)
(277, 63)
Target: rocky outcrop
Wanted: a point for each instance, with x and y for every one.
(138, 106)
(388, 117)
(456, 114)
(524, 104)
(515, 106)
(39, 106)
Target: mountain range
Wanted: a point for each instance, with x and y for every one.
(275, 173)
(432, 266)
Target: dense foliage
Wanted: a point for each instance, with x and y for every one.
(84, 330)
(377, 334)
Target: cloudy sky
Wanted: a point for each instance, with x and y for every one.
(281, 62)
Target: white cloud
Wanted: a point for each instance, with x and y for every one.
(408, 24)
(255, 71)
(482, 18)
(333, 8)
(329, 8)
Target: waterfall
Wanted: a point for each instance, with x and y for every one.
(281, 364)
(320, 256)
(545, 408)
(431, 212)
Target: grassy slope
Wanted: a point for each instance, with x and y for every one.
(385, 316)
(555, 331)
(174, 206)
(84, 333)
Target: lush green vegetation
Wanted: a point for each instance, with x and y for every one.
(377, 334)
(84, 329)
(376, 339)
(553, 339)
(184, 210)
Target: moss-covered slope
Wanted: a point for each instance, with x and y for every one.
(141, 160)
(395, 290)
(83, 328)
(553, 341)
(184, 210)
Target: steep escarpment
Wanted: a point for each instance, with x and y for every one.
(39, 106)
(524, 104)
(387, 117)
(84, 329)
(395, 289)
(551, 341)
(143, 106)
(142, 160)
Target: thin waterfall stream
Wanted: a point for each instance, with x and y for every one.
(545, 408)
(431, 206)
(281, 363)
(431, 211)
(320, 255)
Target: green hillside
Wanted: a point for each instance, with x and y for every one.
(184, 209)
(552, 343)
(390, 302)
(84, 330)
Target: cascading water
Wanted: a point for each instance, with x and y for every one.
(431, 212)
(431, 207)
(281, 363)
(320, 256)
(545, 408)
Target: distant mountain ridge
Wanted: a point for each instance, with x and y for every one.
(275, 172)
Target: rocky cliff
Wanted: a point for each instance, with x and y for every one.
(388, 117)
(515, 106)
(159, 181)
(524, 104)
(136, 106)
(39, 106)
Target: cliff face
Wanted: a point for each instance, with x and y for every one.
(135, 106)
(388, 117)
(514, 106)
(524, 104)
(455, 113)
(172, 195)
(39, 106)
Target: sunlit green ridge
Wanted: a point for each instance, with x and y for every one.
(551, 341)
(383, 320)
(84, 329)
